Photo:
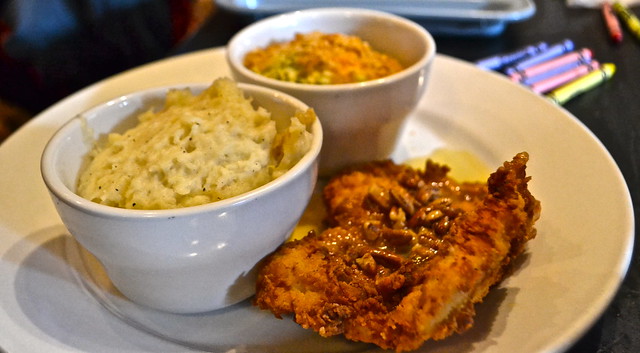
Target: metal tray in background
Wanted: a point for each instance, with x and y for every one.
(452, 17)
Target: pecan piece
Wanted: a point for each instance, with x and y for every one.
(425, 217)
(403, 199)
(367, 263)
(386, 259)
(397, 217)
(371, 230)
(398, 237)
(379, 196)
(442, 227)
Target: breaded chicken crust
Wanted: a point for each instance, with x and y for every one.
(407, 255)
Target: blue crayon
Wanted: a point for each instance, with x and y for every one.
(501, 60)
(552, 52)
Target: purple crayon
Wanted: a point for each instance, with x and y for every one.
(501, 60)
(552, 52)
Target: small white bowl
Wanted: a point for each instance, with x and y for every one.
(361, 121)
(184, 260)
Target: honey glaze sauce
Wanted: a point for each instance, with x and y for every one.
(464, 167)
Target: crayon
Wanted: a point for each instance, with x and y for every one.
(552, 52)
(497, 61)
(612, 23)
(550, 83)
(552, 67)
(629, 19)
(553, 72)
(583, 84)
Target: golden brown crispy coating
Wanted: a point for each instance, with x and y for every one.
(407, 256)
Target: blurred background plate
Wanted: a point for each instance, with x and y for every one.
(454, 17)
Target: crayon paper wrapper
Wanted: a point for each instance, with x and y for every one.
(598, 3)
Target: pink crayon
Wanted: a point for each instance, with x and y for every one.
(580, 56)
(565, 77)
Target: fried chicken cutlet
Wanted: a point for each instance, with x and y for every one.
(407, 255)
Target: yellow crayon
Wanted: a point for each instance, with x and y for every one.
(564, 93)
(629, 19)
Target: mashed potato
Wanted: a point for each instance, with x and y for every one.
(197, 149)
(321, 58)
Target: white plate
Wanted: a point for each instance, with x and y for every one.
(53, 298)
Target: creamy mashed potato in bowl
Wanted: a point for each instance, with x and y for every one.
(197, 149)
(193, 246)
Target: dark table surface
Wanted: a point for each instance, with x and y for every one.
(612, 112)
